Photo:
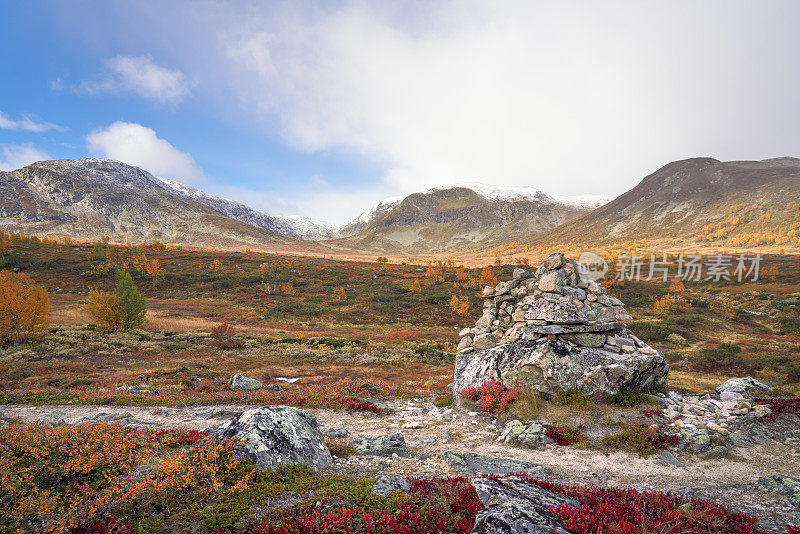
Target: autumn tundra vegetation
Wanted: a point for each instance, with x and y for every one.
(100, 324)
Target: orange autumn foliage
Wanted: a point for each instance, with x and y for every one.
(67, 476)
(104, 309)
(24, 308)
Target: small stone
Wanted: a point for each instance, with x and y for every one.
(239, 381)
(337, 432)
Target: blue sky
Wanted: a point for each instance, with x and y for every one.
(324, 108)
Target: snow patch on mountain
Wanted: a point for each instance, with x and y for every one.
(289, 225)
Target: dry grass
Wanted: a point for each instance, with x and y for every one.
(528, 405)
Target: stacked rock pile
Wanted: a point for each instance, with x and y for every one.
(708, 418)
(555, 330)
(553, 300)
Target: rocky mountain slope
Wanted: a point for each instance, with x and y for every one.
(289, 225)
(91, 198)
(696, 201)
(459, 218)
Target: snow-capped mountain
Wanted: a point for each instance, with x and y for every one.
(503, 194)
(290, 225)
(91, 198)
(463, 216)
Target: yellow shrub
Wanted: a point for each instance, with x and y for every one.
(24, 308)
(104, 309)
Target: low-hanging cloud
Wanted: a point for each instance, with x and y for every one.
(14, 157)
(138, 75)
(567, 97)
(138, 145)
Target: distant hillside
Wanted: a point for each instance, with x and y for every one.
(91, 198)
(698, 201)
(457, 218)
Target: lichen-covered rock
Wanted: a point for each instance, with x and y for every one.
(473, 464)
(788, 486)
(239, 381)
(746, 386)
(514, 506)
(530, 434)
(278, 435)
(549, 366)
(387, 445)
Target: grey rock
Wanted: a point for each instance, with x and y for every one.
(746, 386)
(554, 261)
(337, 433)
(558, 313)
(278, 435)
(484, 341)
(219, 412)
(384, 485)
(550, 283)
(513, 506)
(549, 366)
(530, 434)
(586, 339)
(519, 274)
(700, 441)
(714, 453)
(668, 458)
(57, 414)
(785, 485)
(474, 464)
(239, 381)
(106, 417)
(387, 445)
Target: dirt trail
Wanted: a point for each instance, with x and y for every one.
(731, 481)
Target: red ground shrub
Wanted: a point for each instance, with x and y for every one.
(359, 405)
(779, 406)
(432, 505)
(563, 435)
(492, 396)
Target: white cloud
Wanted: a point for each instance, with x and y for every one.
(138, 145)
(140, 76)
(14, 157)
(320, 200)
(571, 98)
(28, 123)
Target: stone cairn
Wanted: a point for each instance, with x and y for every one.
(555, 330)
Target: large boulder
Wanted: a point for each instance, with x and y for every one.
(514, 506)
(549, 366)
(553, 331)
(278, 435)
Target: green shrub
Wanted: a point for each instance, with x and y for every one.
(626, 399)
(443, 401)
(574, 398)
(642, 439)
(719, 356)
(789, 325)
(132, 305)
(649, 332)
(297, 308)
(685, 320)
